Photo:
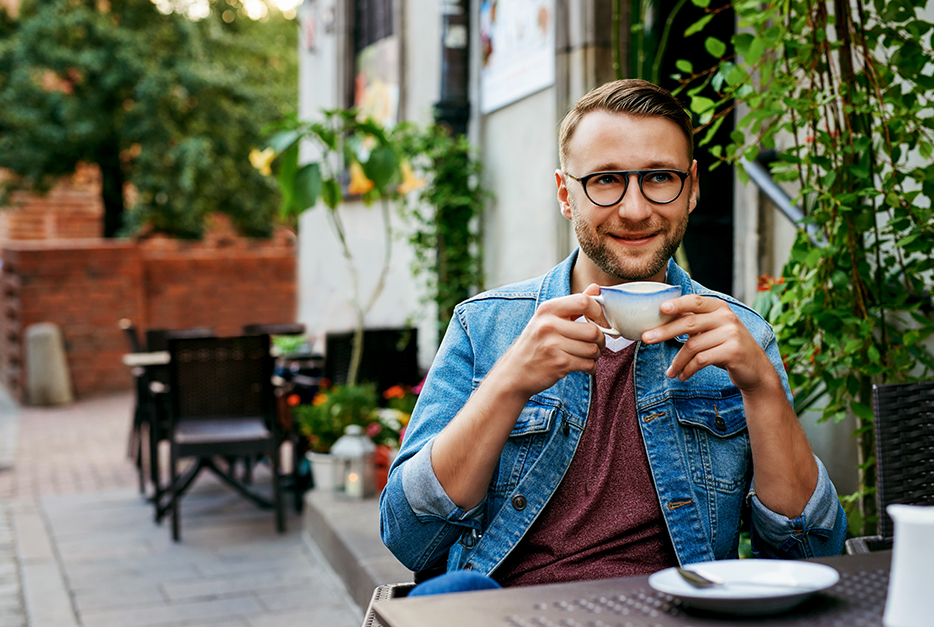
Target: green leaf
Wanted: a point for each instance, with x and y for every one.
(715, 47)
(288, 165)
(331, 193)
(736, 76)
(684, 66)
(381, 167)
(754, 52)
(742, 41)
(307, 186)
(698, 26)
(280, 142)
(861, 411)
(701, 3)
(700, 104)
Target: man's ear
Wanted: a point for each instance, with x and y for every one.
(563, 195)
(695, 187)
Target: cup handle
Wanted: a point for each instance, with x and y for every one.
(610, 332)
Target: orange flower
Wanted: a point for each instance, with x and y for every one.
(409, 181)
(293, 399)
(359, 183)
(319, 399)
(395, 391)
(766, 282)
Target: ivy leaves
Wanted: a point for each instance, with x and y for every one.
(840, 92)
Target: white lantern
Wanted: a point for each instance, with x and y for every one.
(354, 468)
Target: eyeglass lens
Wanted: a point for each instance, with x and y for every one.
(608, 188)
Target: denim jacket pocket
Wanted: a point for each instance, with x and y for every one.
(535, 417)
(716, 440)
(526, 443)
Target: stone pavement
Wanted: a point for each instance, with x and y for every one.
(78, 546)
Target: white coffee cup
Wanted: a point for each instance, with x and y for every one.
(634, 308)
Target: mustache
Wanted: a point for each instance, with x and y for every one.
(634, 227)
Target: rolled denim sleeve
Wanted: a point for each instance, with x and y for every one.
(427, 497)
(418, 520)
(819, 531)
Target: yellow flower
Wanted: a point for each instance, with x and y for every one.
(262, 159)
(409, 181)
(359, 183)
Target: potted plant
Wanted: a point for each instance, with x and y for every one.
(325, 419)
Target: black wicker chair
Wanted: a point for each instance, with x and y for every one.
(904, 431)
(135, 446)
(222, 408)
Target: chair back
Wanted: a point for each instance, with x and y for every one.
(158, 339)
(221, 377)
(904, 447)
(132, 338)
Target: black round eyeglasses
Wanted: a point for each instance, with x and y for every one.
(606, 189)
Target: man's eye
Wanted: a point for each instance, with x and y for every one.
(607, 179)
(660, 177)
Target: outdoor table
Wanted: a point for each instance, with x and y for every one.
(857, 600)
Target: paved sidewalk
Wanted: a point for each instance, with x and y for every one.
(78, 546)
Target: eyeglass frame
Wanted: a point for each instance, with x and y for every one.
(626, 174)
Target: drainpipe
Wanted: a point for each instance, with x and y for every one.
(453, 109)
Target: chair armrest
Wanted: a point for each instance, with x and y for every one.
(867, 544)
(384, 592)
(157, 358)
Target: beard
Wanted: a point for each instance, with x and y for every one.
(637, 266)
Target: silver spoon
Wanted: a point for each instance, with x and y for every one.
(707, 580)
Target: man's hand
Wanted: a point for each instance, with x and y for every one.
(716, 337)
(784, 468)
(553, 345)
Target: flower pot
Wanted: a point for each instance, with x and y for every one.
(322, 469)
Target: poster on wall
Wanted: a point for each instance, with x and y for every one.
(376, 85)
(517, 41)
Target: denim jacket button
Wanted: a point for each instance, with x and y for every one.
(519, 502)
(468, 566)
(720, 422)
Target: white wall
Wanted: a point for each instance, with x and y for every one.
(519, 144)
(324, 289)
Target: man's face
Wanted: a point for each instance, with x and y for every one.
(632, 240)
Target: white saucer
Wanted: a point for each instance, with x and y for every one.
(745, 591)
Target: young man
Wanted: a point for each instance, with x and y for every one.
(541, 451)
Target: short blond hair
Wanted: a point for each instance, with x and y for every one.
(631, 96)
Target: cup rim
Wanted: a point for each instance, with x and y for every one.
(626, 287)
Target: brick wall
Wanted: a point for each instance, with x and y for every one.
(71, 210)
(87, 286)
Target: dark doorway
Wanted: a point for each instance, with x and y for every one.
(708, 243)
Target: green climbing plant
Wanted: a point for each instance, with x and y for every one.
(843, 91)
(445, 217)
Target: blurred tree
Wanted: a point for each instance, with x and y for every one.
(169, 104)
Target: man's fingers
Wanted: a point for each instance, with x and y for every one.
(691, 303)
(698, 352)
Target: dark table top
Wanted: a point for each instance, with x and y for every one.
(857, 600)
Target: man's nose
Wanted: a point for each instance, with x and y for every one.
(634, 207)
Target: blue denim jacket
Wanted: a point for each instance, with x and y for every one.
(694, 432)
